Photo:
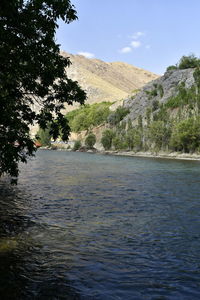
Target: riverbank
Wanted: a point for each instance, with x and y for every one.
(166, 155)
(171, 155)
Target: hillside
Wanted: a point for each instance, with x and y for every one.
(163, 116)
(159, 90)
(104, 81)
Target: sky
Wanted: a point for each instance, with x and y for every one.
(149, 34)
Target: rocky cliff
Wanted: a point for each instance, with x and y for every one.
(160, 89)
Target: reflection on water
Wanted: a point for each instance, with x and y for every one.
(83, 226)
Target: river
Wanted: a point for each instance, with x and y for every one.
(88, 226)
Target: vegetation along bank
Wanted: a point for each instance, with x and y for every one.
(162, 118)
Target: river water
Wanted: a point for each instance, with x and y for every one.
(87, 226)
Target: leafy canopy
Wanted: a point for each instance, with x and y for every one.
(107, 138)
(33, 83)
(88, 116)
(90, 141)
(186, 62)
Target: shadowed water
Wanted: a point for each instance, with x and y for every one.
(83, 226)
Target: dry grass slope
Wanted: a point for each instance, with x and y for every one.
(106, 81)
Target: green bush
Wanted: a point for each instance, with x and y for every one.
(107, 138)
(159, 134)
(185, 96)
(186, 135)
(130, 134)
(117, 116)
(155, 105)
(88, 116)
(90, 141)
(190, 61)
(43, 136)
(77, 145)
(186, 62)
(160, 90)
(171, 68)
(117, 143)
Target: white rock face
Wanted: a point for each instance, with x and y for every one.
(169, 82)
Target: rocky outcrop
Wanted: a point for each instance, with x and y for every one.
(160, 90)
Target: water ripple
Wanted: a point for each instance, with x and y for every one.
(82, 226)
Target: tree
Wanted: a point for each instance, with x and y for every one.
(186, 135)
(77, 145)
(90, 141)
(159, 134)
(88, 116)
(44, 137)
(120, 113)
(107, 138)
(32, 73)
(190, 61)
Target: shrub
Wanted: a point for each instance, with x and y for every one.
(171, 68)
(158, 134)
(160, 90)
(43, 136)
(117, 116)
(88, 116)
(90, 141)
(151, 94)
(148, 115)
(155, 105)
(77, 145)
(190, 61)
(186, 135)
(117, 143)
(107, 138)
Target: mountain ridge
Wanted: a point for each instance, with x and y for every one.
(106, 81)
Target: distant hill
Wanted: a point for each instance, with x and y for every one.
(104, 81)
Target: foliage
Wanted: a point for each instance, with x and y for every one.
(77, 145)
(107, 138)
(190, 61)
(160, 90)
(117, 116)
(186, 135)
(44, 136)
(140, 122)
(184, 97)
(148, 115)
(162, 114)
(186, 62)
(171, 68)
(88, 116)
(32, 73)
(130, 138)
(196, 76)
(173, 125)
(117, 143)
(159, 134)
(155, 105)
(157, 90)
(90, 141)
(135, 91)
(137, 139)
(151, 94)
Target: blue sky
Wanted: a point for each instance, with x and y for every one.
(150, 34)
